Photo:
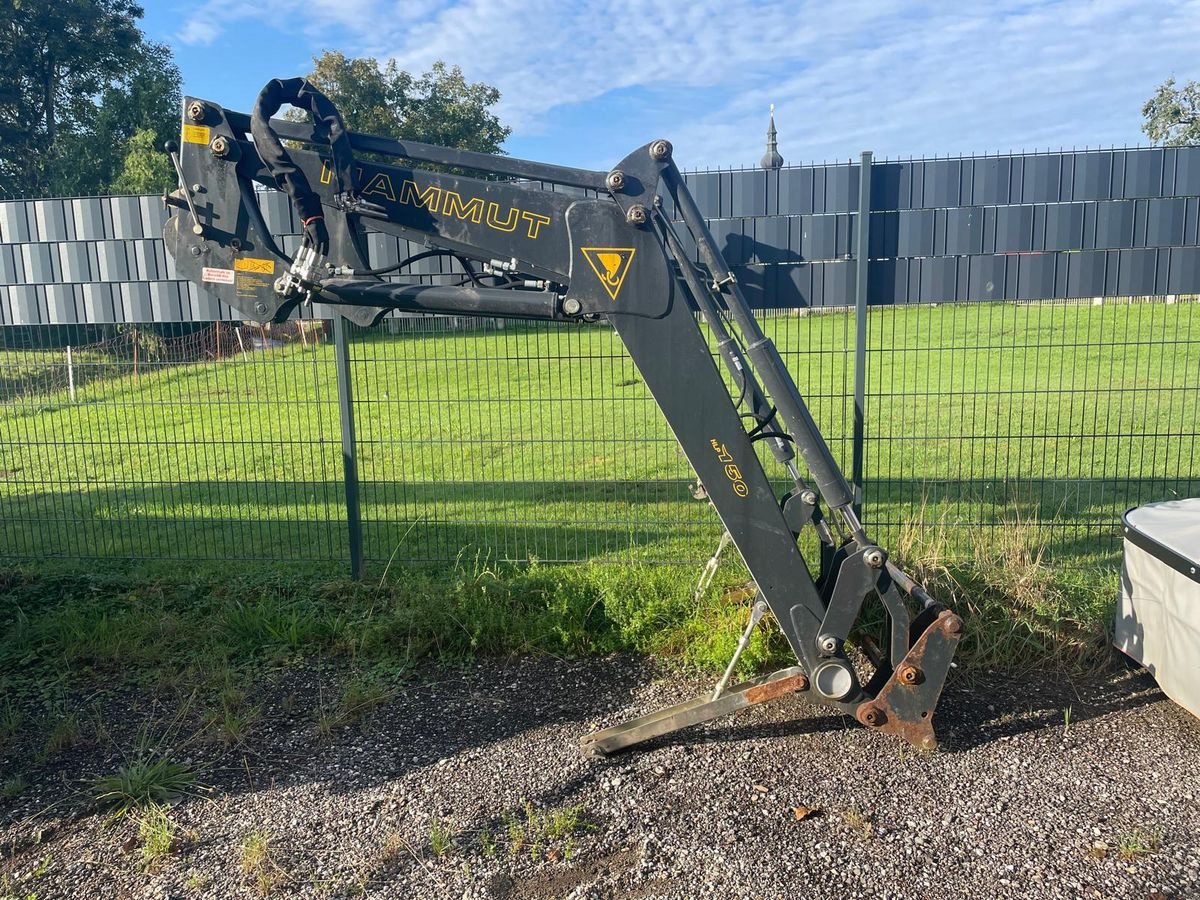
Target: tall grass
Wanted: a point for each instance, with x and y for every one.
(1019, 610)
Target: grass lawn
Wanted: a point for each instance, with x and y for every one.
(983, 421)
(542, 442)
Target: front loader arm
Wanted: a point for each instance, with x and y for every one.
(603, 250)
(482, 220)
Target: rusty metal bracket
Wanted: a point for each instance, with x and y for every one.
(904, 707)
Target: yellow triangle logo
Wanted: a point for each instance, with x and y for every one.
(611, 265)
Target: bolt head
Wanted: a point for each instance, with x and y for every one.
(871, 715)
(954, 624)
(615, 180)
(220, 145)
(571, 306)
(828, 643)
(195, 111)
(660, 150)
(260, 308)
(908, 674)
(637, 215)
(809, 497)
(929, 742)
(875, 558)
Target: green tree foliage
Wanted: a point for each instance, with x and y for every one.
(146, 168)
(1172, 115)
(439, 107)
(148, 97)
(145, 99)
(446, 109)
(77, 82)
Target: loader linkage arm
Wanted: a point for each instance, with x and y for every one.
(602, 249)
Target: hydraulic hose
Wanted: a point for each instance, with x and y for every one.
(328, 124)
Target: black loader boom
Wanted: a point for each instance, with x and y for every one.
(606, 252)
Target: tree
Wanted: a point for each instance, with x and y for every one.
(1173, 114)
(439, 107)
(77, 81)
(146, 168)
(368, 97)
(148, 97)
(134, 118)
(55, 58)
(444, 108)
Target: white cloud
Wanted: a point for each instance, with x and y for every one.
(1031, 76)
(198, 32)
(545, 54)
(314, 18)
(917, 76)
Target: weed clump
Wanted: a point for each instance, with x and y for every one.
(142, 783)
(548, 833)
(257, 860)
(157, 834)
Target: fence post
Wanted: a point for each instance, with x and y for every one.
(70, 374)
(861, 268)
(341, 355)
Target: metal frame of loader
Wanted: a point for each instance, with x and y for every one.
(611, 254)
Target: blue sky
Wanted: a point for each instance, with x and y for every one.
(585, 82)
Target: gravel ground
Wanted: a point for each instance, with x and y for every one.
(782, 801)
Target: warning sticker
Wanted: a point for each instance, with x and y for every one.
(249, 284)
(217, 276)
(611, 265)
(249, 264)
(196, 134)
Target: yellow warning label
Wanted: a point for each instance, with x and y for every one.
(196, 134)
(249, 264)
(611, 265)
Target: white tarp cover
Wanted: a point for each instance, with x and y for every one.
(1158, 612)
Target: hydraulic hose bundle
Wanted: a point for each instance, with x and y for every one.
(290, 179)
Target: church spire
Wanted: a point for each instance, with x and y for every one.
(771, 159)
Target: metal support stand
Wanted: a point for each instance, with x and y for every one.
(756, 614)
(693, 712)
(710, 568)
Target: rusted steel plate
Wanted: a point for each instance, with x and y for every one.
(773, 690)
(904, 707)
